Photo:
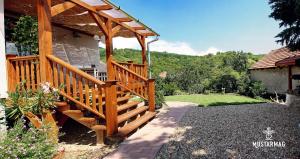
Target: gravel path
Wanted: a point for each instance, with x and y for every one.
(229, 132)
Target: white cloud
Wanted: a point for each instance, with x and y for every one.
(178, 47)
(211, 50)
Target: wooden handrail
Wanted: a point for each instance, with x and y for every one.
(31, 57)
(74, 69)
(81, 88)
(139, 76)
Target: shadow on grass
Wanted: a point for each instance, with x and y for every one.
(229, 103)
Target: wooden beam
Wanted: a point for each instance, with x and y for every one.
(59, 8)
(45, 37)
(139, 38)
(99, 22)
(103, 7)
(102, 14)
(109, 50)
(147, 34)
(290, 80)
(138, 28)
(121, 20)
(116, 29)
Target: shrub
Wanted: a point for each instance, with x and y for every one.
(22, 100)
(26, 143)
(159, 92)
(25, 35)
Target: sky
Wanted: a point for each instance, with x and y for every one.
(199, 27)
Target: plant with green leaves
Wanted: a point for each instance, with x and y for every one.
(288, 13)
(27, 142)
(24, 100)
(25, 35)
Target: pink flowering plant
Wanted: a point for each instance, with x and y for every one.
(27, 142)
(37, 102)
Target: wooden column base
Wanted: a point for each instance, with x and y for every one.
(100, 137)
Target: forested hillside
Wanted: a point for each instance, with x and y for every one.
(172, 63)
(225, 72)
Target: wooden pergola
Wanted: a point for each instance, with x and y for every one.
(106, 101)
(92, 17)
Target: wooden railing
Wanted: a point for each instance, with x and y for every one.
(130, 80)
(23, 69)
(135, 83)
(79, 87)
(139, 69)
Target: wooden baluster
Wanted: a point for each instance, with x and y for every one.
(33, 86)
(61, 76)
(22, 71)
(94, 99)
(17, 72)
(68, 85)
(100, 102)
(80, 88)
(55, 72)
(11, 75)
(38, 75)
(151, 95)
(87, 93)
(74, 85)
(27, 76)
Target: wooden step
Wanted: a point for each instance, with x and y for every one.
(128, 105)
(61, 104)
(99, 127)
(124, 131)
(122, 99)
(73, 113)
(87, 119)
(132, 113)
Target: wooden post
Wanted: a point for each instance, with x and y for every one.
(45, 37)
(151, 95)
(290, 80)
(11, 74)
(109, 50)
(111, 107)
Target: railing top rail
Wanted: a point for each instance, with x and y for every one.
(15, 58)
(141, 77)
(77, 71)
(126, 63)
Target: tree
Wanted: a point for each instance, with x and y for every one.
(288, 13)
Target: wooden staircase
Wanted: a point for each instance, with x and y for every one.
(108, 108)
(131, 116)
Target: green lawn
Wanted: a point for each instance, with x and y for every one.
(214, 99)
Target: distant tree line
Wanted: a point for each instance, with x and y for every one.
(222, 73)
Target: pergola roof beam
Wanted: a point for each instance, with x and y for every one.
(59, 8)
(92, 9)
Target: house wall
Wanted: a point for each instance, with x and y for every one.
(3, 73)
(275, 79)
(3, 78)
(80, 50)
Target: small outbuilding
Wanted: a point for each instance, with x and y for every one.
(276, 70)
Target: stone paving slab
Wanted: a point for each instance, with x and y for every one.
(146, 142)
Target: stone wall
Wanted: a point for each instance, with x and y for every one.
(275, 79)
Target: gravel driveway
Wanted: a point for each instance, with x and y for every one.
(229, 132)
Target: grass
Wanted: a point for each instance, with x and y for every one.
(215, 99)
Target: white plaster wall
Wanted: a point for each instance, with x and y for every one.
(3, 73)
(275, 79)
(61, 35)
